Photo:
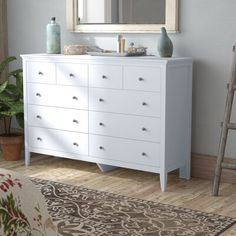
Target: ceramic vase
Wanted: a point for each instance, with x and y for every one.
(165, 45)
(53, 37)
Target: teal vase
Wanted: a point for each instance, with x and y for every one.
(165, 45)
(53, 37)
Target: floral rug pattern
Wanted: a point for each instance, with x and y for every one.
(80, 211)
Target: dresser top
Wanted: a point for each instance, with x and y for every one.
(61, 57)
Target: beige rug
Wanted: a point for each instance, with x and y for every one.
(81, 211)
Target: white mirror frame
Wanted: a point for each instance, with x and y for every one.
(171, 22)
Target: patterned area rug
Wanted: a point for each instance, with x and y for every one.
(80, 211)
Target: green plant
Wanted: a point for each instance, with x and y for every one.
(11, 96)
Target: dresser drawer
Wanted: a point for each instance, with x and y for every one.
(142, 78)
(57, 140)
(58, 118)
(129, 151)
(72, 74)
(41, 72)
(125, 126)
(127, 102)
(105, 76)
(59, 96)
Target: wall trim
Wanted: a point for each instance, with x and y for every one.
(203, 166)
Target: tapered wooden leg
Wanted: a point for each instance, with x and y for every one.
(163, 180)
(184, 172)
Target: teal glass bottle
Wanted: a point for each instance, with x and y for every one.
(53, 37)
(165, 45)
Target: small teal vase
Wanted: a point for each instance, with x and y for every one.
(165, 45)
(53, 37)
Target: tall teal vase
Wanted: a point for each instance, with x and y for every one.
(53, 37)
(165, 45)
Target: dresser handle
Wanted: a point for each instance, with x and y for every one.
(144, 104)
(101, 148)
(72, 75)
(104, 77)
(39, 139)
(38, 95)
(40, 73)
(141, 79)
(144, 154)
(76, 144)
(144, 129)
(76, 121)
(39, 117)
(101, 124)
(101, 100)
(75, 98)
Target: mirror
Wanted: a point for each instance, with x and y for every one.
(122, 16)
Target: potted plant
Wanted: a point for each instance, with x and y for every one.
(11, 105)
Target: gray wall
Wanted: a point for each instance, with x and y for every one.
(208, 31)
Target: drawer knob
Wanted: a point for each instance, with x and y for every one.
(40, 73)
(101, 100)
(144, 154)
(75, 98)
(101, 148)
(39, 139)
(101, 124)
(76, 144)
(39, 117)
(144, 129)
(38, 95)
(104, 77)
(141, 79)
(72, 75)
(76, 121)
(144, 104)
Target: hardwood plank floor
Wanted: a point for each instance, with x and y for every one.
(194, 194)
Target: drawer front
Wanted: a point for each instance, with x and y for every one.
(57, 140)
(125, 126)
(72, 74)
(41, 72)
(58, 118)
(59, 96)
(105, 76)
(142, 78)
(127, 102)
(130, 151)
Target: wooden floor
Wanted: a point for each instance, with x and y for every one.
(193, 194)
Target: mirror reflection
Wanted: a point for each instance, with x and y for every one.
(121, 11)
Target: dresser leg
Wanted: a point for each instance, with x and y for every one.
(163, 180)
(27, 158)
(184, 172)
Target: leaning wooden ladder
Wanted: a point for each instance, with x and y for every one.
(226, 126)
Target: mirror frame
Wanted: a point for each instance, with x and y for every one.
(171, 22)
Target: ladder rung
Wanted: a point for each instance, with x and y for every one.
(230, 166)
(231, 126)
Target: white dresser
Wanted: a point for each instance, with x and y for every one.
(123, 112)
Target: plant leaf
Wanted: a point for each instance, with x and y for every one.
(3, 86)
(5, 63)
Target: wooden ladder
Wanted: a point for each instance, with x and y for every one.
(226, 126)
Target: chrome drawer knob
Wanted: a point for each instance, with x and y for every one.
(76, 144)
(40, 73)
(101, 148)
(101, 100)
(144, 129)
(144, 104)
(76, 121)
(144, 154)
(101, 124)
(141, 79)
(38, 95)
(39, 117)
(75, 98)
(72, 75)
(104, 77)
(39, 139)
